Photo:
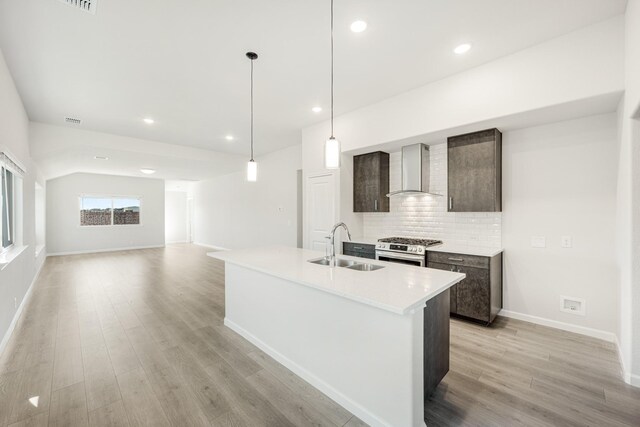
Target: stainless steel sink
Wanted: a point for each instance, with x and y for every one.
(365, 267)
(339, 262)
(353, 265)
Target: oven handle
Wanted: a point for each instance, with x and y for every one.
(397, 255)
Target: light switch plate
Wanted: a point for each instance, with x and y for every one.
(566, 241)
(538, 242)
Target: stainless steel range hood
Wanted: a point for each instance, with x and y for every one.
(415, 171)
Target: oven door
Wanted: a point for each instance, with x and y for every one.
(410, 259)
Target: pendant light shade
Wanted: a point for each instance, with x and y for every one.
(252, 171)
(332, 151)
(252, 166)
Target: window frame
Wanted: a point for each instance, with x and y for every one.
(112, 198)
(10, 215)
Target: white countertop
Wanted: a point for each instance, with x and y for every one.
(363, 240)
(465, 250)
(396, 288)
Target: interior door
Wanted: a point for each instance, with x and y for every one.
(320, 212)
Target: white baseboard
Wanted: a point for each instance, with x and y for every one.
(220, 248)
(627, 376)
(175, 242)
(583, 330)
(97, 251)
(14, 321)
(316, 382)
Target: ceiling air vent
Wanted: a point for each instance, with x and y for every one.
(72, 120)
(85, 5)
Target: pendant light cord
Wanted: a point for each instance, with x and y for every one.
(252, 109)
(331, 68)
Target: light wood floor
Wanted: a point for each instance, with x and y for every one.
(136, 338)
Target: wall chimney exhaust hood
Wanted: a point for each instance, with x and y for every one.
(415, 171)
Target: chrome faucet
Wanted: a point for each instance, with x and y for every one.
(332, 236)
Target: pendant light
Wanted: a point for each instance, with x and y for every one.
(332, 146)
(252, 166)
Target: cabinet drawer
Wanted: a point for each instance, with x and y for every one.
(458, 259)
(358, 247)
(369, 255)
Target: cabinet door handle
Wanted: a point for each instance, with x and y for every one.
(450, 203)
(358, 247)
(375, 205)
(456, 259)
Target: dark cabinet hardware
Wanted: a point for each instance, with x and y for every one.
(474, 171)
(371, 182)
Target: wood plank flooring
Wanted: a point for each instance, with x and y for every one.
(136, 338)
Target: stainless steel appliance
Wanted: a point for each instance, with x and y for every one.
(415, 171)
(404, 250)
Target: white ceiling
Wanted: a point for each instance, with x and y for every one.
(183, 63)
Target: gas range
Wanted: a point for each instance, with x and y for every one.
(404, 249)
(411, 241)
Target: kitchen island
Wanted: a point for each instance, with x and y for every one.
(361, 337)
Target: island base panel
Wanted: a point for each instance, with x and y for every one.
(436, 341)
(367, 359)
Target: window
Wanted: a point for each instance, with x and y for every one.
(8, 227)
(98, 211)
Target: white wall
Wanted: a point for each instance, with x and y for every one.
(233, 213)
(574, 75)
(176, 228)
(628, 202)
(560, 180)
(18, 275)
(64, 233)
(584, 65)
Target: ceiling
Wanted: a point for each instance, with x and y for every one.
(184, 65)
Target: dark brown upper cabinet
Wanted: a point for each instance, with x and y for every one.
(371, 182)
(475, 172)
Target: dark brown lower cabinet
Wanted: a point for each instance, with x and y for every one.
(479, 295)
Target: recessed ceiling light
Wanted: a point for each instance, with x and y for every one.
(463, 48)
(316, 109)
(149, 121)
(100, 158)
(147, 171)
(358, 26)
(229, 137)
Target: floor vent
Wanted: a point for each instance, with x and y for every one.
(84, 5)
(72, 120)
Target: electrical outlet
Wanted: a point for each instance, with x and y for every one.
(566, 241)
(15, 303)
(538, 242)
(573, 305)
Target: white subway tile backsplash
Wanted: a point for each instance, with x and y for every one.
(427, 216)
